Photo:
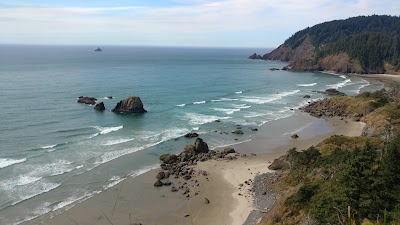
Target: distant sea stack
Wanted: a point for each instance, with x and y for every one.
(364, 44)
(131, 104)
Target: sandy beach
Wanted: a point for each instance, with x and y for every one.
(230, 198)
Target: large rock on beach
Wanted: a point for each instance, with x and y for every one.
(200, 146)
(87, 100)
(100, 106)
(131, 104)
(168, 158)
(229, 150)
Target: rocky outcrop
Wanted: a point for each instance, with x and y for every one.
(200, 146)
(191, 135)
(284, 162)
(332, 91)
(168, 158)
(255, 56)
(100, 106)
(87, 100)
(130, 105)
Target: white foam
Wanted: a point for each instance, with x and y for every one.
(118, 141)
(238, 92)
(270, 98)
(48, 146)
(340, 84)
(198, 119)
(255, 114)
(106, 130)
(307, 85)
(198, 103)
(8, 162)
(225, 100)
(196, 128)
(241, 106)
(158, 138)
(181, 105)
(78, 167)
(35, 190)
(19, 181)
(227, 111)
(144, 170)
(343, 76)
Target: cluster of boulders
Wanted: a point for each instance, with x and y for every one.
(332, 91)
(181, 166)
(131, 104)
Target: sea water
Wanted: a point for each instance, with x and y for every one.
(55, 152)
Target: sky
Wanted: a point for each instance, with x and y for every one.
(203, 23)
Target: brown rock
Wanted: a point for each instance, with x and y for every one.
(130, 105)
(158, 183)
(100, 106)
(87, 100)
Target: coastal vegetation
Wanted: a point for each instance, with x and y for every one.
(364, 44)
(359, 173)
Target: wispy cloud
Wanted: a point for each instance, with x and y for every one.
(203, 23)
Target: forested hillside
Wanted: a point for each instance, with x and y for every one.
(364, 44)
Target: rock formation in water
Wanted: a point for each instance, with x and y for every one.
(87, 100)
(100, 106)
(131, 104)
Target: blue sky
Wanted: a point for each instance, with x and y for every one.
(223, 23)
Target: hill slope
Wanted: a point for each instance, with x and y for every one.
(364, 44)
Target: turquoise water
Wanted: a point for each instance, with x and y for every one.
(55, 152)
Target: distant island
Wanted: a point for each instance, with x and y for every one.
(363, 45)
(98, 49)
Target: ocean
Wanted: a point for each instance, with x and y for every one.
(55, 152)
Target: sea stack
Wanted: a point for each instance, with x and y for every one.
(131, 104)
(100, 106)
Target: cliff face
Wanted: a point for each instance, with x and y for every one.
(356, 45)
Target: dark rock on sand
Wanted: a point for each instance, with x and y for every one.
(160, 175)
(168, 158)
(206, 201)
(254, 129)
(191, 135)
(237, 132)
(87, 100)
(200, 146)
(229, 150)
(158, 183)
(130, 105)
(100, 106)
(294, 136)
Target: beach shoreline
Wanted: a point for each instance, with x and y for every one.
(136, 200)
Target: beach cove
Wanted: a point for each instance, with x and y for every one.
(98, 158)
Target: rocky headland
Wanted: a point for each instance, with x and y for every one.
(352, 46)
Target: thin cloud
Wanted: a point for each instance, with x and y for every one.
(202, 23)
